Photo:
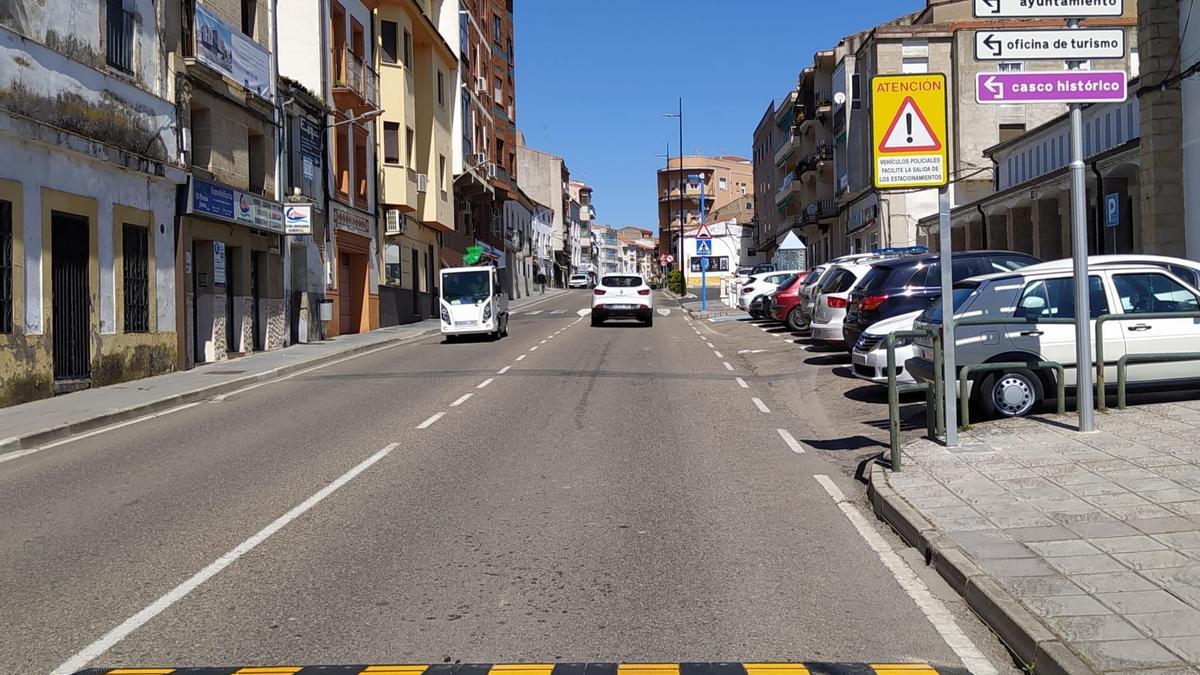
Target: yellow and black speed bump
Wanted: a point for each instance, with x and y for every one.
(813, 668)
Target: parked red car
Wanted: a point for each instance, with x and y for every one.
(786, 299)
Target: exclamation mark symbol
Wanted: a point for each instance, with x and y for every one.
(908, 125)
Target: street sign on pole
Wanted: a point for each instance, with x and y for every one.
(1071, 86)
(1050, 45)
(703, 232)
(908, 117)
(703, 247)
(1112, 210)
(1058, 9)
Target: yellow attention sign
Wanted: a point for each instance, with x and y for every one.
(908, 119)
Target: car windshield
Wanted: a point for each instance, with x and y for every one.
(465, 288)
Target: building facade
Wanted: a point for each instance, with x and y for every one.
(546, 179)
(723, 178)
(91, 166)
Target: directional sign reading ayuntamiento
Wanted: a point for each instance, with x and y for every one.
(1066, 9)
(1050, 45)
(908, 118)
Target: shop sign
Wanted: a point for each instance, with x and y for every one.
(225, 203)
(232, 53)
(218, 263)
(351, 220)
(297, 219)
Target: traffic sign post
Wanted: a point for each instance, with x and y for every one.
(1049, 45)
(1055, 9)
(910, 150)
(703, 247)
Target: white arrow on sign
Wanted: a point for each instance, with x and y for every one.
(993, 86)
(1050, 45)
(1024, 9)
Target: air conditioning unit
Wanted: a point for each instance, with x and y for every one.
(395, 222)
(422, 182)
(493, 170)
(480, 158)
(480, 85)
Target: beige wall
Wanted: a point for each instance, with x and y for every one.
(735, 174)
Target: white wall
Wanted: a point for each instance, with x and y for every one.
(1189, 50)
(35, 167)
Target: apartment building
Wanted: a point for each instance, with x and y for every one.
(91, 165)
(418, 84)
(581, 194)
(546, 179)
(769, 136)
(695, 184)
(608, 249)
(231, 229)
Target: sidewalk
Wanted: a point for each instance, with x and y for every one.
(1081, 551)
(38, 422)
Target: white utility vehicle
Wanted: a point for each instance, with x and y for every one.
(473, 302)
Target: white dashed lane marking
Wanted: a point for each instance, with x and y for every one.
(535, 313)
(762, 407)
(503, 370)
(461, 400)
(727, 365)
(791, 441)
(485, 383)
(429, 422)
(741, 383)
(522, 357)
(719, 354)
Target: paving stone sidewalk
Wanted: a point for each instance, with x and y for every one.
(1093, 539)
(38, 422)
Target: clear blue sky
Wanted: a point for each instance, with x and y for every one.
(593, 78)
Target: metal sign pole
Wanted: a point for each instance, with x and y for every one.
(1079, 254)
(949, 373)
(703, 259)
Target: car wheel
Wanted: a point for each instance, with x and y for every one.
(794, 320)
(596, 321)
(649, 321)
(1011, 393)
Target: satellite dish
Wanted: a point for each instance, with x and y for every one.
(839, 98)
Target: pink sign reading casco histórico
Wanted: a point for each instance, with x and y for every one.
(1068, 86)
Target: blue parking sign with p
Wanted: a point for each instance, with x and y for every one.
(703, 247)
(1112, 209)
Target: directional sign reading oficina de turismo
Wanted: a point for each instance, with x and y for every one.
(1054, 86)
(908, 117)
(1050, 45)
(1026, 9)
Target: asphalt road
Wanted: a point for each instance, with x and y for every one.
(604, 494)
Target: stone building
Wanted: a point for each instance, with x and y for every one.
(231, 227)
(89, 168)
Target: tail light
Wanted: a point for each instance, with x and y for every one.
(835, 303)
(747, 289)
(872, 302)
(644, 291)
(598, 291)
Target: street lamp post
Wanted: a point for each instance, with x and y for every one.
(682, 272)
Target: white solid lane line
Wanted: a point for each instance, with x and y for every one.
(461, 400)
(99, 647)
(429, 422)
(791, 442)
(941, 618)
(503, 370)
(485, 383)
(727, 366)
(522, 357)
(741, 383)
(719, 354)
(762, 407)
(15, 454)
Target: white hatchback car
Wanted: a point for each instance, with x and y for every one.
(870, 352)
(758, 285)
(579, 281)
(832, 299)
(622, 295)
(1031, 293)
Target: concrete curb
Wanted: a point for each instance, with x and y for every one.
(54, 433)
(1033, 644)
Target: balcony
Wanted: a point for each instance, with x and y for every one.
(691, 193)
(817, 158)
(790, 145)
(355, 84)
(821, 210)
(788, 190)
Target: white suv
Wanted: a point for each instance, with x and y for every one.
(758, 285)
(832, 298)
(622, 295)
(1031, 294)
(579, 281)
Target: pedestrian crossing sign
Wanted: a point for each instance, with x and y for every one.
(703, 247)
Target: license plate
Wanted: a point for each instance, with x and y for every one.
(622, 306)
(466, 323)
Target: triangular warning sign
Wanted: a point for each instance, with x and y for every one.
(703, 232)
(909, 131)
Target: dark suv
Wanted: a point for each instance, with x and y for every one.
(903, 285)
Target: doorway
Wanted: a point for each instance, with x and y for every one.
(70, 305)
(197, 341)
(345, 297)
(416, 284)
(256, 301)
